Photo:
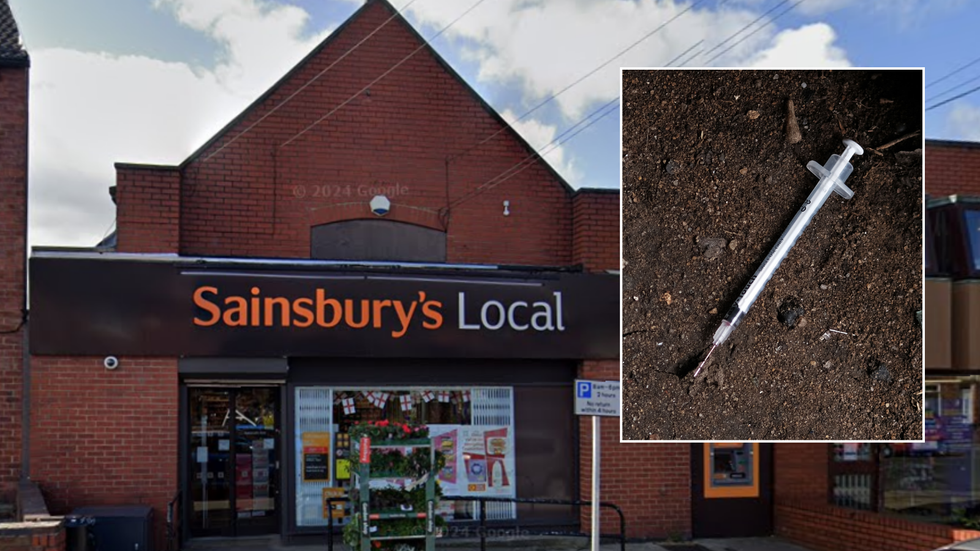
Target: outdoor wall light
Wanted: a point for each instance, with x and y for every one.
(380, 205)
(110, 362)
(506, 208)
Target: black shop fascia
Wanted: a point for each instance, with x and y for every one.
(85, 303)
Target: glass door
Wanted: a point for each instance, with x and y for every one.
(233, 464)
(256, 460)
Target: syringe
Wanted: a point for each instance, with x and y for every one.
(832, 177)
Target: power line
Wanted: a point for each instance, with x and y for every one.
(525, 163)
(583, 77)
(691, 58)
(746, 37)
(955, 71)
(954, 98)
(383, 75)
(948, 90)
(684, 53)
(308, 83)
(740, 31)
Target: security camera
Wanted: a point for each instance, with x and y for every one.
(380, 205)
(110, 362)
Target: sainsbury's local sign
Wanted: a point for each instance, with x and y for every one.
(394, 316)
(187, 307)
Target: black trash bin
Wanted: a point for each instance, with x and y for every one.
(78, 537)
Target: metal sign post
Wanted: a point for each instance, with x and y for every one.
(598, 399)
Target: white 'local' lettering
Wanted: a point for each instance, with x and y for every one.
(519, 315)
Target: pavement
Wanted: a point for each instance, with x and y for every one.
(534, 543)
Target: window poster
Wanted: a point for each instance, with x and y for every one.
(479, 460)
(316, 456)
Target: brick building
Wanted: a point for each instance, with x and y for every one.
(407, 257)
(14, 68)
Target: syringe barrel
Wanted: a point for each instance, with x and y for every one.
(830, 181)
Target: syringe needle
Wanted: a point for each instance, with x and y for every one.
(704, 360)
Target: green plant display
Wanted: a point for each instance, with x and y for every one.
(403, 460)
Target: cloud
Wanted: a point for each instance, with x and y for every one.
(91, 109)
(544, 46)
(963, 122)
(540, 135)
(808, 46)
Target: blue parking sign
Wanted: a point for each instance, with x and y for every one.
(584, 389)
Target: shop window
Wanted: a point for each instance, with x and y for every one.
(473, 426)
(938, 480)
(972, 219)
(854, 476)
(377, 240)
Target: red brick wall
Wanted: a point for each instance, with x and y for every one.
(803, 513)
(256, 197)
(45, 536)
(650, 482)
(148, 212)
(101, 437)
(595, 242)
(952, 168)
(13, 243)
(801, 472)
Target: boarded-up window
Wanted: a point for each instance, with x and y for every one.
(382, 240)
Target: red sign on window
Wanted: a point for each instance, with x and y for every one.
(365, 450)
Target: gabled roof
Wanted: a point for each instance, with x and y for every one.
(330, 39)
(12, 54)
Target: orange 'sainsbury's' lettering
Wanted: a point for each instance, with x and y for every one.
(430, 310)
(304, 312)
(255, 310)
(206, 304)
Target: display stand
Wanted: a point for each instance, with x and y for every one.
(372, 522)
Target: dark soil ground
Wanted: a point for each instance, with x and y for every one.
(708, 188)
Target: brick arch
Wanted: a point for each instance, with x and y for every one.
(361, 210)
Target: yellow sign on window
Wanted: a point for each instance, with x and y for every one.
(335, 508)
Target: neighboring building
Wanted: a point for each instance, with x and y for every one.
(14, 69)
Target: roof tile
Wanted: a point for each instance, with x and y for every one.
(10, 46)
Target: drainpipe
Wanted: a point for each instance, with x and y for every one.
(25, 416)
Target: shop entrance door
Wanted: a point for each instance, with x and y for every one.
(731, 490)
(233, 461)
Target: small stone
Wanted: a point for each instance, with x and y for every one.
(743, 171)
(803, 85)
(789, 312)
(828, 364)
(753, 115)
(802, 322)
(823, 287)
(667, 298)
(713, 311)
(672, 166)
(636, 298)
(733, 244)
(714, 247)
